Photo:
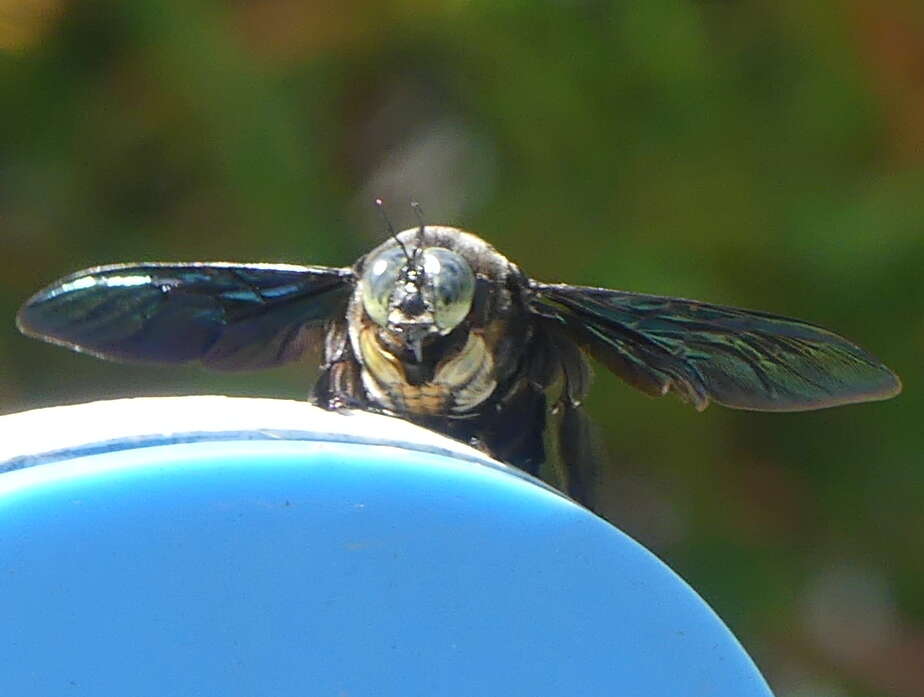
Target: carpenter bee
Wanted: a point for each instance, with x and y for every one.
(437, 327)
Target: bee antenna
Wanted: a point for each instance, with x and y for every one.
(391, 228)
(418, 211)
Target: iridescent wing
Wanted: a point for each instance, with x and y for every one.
(737, 358)
(226, 316)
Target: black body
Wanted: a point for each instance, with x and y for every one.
(437, 327)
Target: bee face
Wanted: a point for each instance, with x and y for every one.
(416, 293)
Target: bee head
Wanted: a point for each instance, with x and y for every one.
(419, 293)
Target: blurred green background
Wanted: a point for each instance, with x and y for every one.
(767, 155)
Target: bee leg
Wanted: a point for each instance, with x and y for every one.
(478, 443)
(514, 433)
(580, 454)
(340, 387)
(339, 384)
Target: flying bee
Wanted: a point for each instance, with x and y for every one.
(437, 327)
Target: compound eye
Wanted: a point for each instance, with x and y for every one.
(378, 283)
(450, 286)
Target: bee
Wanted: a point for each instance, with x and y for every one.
(437, 327)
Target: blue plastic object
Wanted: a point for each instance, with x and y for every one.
(342, 557)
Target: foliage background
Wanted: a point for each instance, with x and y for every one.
(768, 155)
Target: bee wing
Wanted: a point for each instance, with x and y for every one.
(226, 316)
(737, 358)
